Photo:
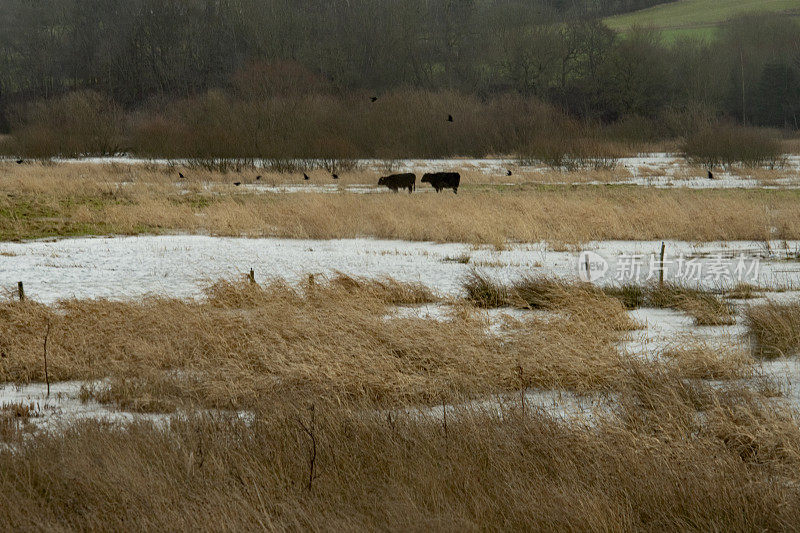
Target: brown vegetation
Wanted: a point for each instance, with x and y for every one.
(774, 328)
(38, 201)
(328, 339)
(652, 464)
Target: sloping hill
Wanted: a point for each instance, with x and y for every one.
(698, 17)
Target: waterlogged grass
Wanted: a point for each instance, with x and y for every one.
(655, 464)
(539, 292)
(58, 200)
(774, 329)
(355, 420)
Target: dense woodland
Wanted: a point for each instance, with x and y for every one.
(157, 68)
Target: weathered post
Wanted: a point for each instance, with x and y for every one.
(21, 291)
(661, 265)
(252, 276)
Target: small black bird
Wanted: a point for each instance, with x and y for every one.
(237, 183)
(449, 118)
(181, 175)
(305, 176)
(374, 99)
(335, 176)
(20, 161)
(710, 175)
(508, 172)
(258, 178)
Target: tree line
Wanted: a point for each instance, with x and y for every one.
(144, 54)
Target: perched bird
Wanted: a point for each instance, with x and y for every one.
(374, 99)
(258, 178)
(237, 183)
(305, 176)
(20, 161)
(508, 172)
(181, 175)
(710, 175)
(449, 118)
(335, 176)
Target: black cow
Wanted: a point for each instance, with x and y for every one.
(443, 180)
(399, 181)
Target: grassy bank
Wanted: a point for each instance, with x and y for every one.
(65, 201)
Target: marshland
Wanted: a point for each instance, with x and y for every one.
(213, 315)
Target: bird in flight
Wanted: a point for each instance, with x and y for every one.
(449, 118)
(181, 175)
(305, 176)
(20, 161)
(237, 183)
(374, 99)
(258, 178)
(335, 176)
(508, 172)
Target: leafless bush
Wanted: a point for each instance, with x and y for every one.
(729, 145)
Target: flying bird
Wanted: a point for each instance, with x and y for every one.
(181, 175)
(508, 172)
(305, 176)
(449, 118)
(20, 161)
(258, 178)
(710, 175)
(335, 176)
(237, 183)
(374, 99)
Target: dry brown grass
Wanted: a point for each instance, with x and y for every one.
(318, 365)
(610, 302)
(699, 360)
(653, 464)
(331, 339)
(60, 200)
(774, 328)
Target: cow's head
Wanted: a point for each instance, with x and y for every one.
(382, 181)
(426, 178)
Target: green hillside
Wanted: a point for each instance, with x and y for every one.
(698, 17)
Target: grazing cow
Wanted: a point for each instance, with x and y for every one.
(443, 180)
(396, 182)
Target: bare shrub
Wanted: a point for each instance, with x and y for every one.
(76, 124)
(729, 145)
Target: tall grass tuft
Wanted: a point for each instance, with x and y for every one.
(774, 329)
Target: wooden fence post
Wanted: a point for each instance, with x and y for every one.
(21, 291)
(252, 276)
(661, 264)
